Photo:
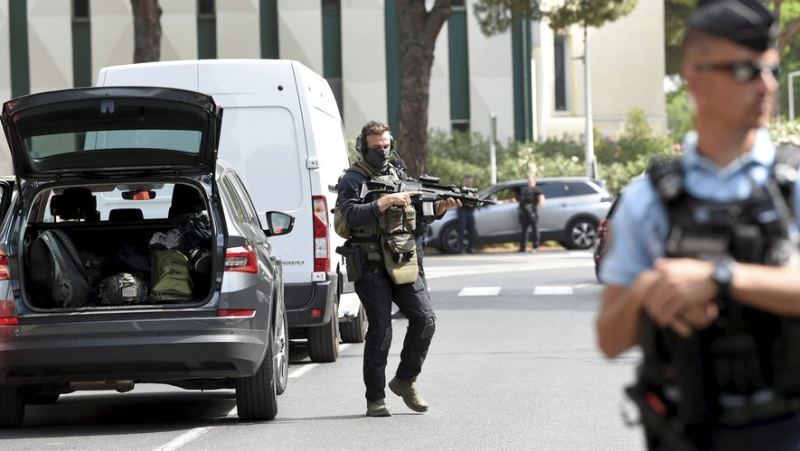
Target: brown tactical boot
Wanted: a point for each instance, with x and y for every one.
(377, 409)
(408, 391)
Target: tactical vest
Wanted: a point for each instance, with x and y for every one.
(746, 365)
(389, 241)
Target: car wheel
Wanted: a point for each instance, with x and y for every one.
(449, 239)
(355, 331)
(34, 396)
(257, 395)
(323, 341)
(580, 233)
(12, 407)
(282, 356)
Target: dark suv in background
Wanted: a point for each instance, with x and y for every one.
(573, 209)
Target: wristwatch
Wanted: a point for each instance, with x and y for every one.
(723, 276)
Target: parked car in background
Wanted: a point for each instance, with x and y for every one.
(570, 215)
(189, 294)
(604, 236)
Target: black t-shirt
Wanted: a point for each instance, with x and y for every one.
(530, 196)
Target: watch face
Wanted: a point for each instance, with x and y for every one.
(722, 273)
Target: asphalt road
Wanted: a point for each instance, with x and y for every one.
(513, 365)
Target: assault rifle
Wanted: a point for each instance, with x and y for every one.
(431, 190)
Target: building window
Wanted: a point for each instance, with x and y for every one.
(562, 73)
(461, 125)
(81, 44)
(458, 5)
(459, 69)
(206, 29)
(332, 48)
(80, 10)
(18, 46)
(269, 29)
(205, 8)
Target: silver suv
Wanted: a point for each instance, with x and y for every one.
(571, 213)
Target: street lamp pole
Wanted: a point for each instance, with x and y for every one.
(791, 93)
(589, 150)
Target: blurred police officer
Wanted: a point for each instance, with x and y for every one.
(703, 268)
(371, 221)
(531, 199)
(466, 221)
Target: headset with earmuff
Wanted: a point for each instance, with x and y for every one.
(361, 140)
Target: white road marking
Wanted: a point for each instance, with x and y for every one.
(456, 271)
(552, 290)
(294, 374)
(584, 285)
(302, 370)
(183, 439)
(480, 291)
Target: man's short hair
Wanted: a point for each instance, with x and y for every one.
(374, 128)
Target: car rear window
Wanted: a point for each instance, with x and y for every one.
(44, 146)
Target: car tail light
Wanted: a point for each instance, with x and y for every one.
(601, 229)
(8, 315)
(241, 259)
(322, 261)
(236, 312)
(4, 273)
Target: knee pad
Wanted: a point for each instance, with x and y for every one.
(387, 340)
(429, 328)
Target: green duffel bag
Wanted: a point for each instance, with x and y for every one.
(170, 281)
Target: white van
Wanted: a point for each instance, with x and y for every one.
(282, 132)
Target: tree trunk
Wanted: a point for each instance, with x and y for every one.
(146, 30)
(418, 32)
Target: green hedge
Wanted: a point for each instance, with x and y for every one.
(452, 155)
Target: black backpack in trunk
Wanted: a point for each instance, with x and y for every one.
(57, 272)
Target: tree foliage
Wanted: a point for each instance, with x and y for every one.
(676, 14)
(496, 16)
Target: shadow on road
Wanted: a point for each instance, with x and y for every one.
(125, 413)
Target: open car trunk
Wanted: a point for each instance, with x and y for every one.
(114, 246)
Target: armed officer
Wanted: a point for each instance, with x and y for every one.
(703, 269)
(381, 237)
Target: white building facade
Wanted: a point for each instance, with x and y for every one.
(530, 78)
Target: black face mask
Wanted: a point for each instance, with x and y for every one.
(377, 158)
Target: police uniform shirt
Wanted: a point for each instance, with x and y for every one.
(640, 226)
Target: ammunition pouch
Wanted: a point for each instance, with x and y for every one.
(340, 225)
(400, 257)
(397, 220)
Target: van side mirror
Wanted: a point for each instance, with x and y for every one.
(278, 223)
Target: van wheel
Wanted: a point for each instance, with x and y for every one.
(282, 355)
(12, 407)
(355, 330)
(257, 395)
(323, 341)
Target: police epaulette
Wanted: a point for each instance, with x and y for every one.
(666, 175)
(784, 170)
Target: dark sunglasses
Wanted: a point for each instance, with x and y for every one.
(745, 71)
